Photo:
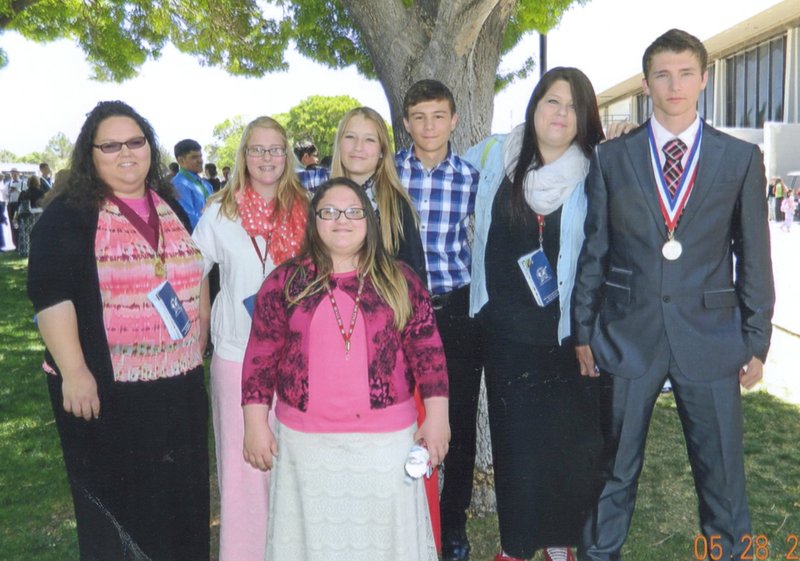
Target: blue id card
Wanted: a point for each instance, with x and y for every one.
(250, 304)
(540, 277)
(170, 308)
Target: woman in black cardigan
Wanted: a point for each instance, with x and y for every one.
(361, 152)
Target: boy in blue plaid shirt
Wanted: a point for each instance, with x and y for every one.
(442, 187)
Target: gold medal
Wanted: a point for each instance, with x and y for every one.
(158, 267)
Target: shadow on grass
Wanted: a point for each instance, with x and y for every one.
(36, 514)
(665, 523)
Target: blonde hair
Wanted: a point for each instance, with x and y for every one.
(388, 190)
(289, 189)
(374, 262)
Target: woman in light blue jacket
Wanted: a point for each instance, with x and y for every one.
(543, 415)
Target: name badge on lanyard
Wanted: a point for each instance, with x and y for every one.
(250, 301)
(538, 273)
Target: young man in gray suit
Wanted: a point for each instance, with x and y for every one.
(657, 296)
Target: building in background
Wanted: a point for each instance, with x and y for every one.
(753, 89)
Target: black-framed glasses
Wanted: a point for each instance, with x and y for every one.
(352, 213)
(113, 147)
(260, 151)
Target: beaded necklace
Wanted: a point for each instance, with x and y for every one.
(346, 335)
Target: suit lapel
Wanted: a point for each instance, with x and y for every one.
(711, 150)
(638, 147)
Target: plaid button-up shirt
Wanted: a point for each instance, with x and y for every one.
(445, 199)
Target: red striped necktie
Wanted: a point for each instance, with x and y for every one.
(673, 168)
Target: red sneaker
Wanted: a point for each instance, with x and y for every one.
(558, 554)
(503, 557)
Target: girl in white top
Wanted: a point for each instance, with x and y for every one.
(252, 225)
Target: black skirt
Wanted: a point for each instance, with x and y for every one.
(547, 443)
(139, 473)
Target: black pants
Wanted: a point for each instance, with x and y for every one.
(2, 221)
(461, 336)
(546, 443)
(139, 473)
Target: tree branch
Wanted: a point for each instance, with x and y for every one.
(469, 18)
(392, 33)
(16, 7)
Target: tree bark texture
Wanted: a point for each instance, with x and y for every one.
(457, 42)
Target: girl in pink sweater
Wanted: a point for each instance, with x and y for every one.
(343, 335)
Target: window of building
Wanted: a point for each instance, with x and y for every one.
(754, 88)
(644, 107)
(705, 105)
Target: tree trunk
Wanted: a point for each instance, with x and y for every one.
(457, 42)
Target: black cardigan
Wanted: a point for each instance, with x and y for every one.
(411, 250)
(62, 266)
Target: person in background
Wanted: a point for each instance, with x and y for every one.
(343, 335)
(771, 199)
(127, 394)
(442, 188)
(174, 168)
(4, 223)
(192, 189)
(211, 177)
(46, 180)
(787, 208)
(226, 172)
(544, 418)
(252, 225)
(779, 191)
(306, 153)
(15, 186)
(28, 212)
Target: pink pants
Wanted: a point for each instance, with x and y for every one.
(243, 489)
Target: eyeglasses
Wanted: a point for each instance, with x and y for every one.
(260, 151)
(352, 213)
(113, 147)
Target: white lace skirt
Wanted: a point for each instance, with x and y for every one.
(342, 497)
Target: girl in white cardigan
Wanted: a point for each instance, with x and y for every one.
(252, 225)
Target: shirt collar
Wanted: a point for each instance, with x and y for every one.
(410, 155)
(190, 173)
(662, 135)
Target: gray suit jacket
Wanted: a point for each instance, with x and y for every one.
(629, 300)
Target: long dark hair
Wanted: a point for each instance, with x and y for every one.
(589, 133)
(84, 188)
(373, 260)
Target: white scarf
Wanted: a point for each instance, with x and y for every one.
(548, 187)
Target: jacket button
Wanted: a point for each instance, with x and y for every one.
(666, 299)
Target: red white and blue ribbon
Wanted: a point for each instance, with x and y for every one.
(672, 207)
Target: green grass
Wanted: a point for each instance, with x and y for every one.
(36, 521)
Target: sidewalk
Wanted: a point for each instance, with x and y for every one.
(782, 371)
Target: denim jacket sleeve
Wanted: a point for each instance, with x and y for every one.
(487, 158)
(573, 216)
